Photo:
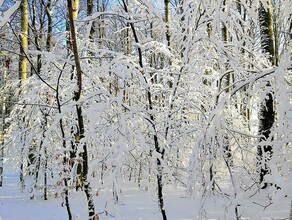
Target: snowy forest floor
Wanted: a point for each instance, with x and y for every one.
(134, 204)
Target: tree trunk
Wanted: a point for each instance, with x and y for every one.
(89, 12)
(77, 94)
(24, 41)
(2, 140)
(101, 22)
(36, 35)
(65, 160)
(267, 112)
(228, 79)
(23, 67)
(50, 26)
(75, 7)
(245, 102)
(168, 35)
(158, 149)
(167, 21)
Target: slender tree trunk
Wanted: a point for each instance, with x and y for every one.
(128, 52)
(42, 159)
(168, 36)
(101, 22)
(46, 159)
(3, 127)
(50, 26)
(65, 160)
(228, 79)
(73, 152)
(89, 12)
(267, 112)
(84, 155)
(36, 35)
(207, 82)
(24, 40)
(128, 36)
(23, 67)
(245, 102)
(48, 47)
(75, 8)
(158, 149)
(276, 33)
(167, 21)
(74, 158)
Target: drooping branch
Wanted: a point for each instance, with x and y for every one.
(158, 149)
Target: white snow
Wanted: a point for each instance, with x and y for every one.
(134, 204)
(4, 18)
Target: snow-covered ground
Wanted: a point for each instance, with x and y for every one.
(134, 204)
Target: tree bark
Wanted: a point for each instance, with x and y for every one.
(167, 21)
(267, 112)
(48, 47)
(77, 94)
(75, 7)
(89, 12)
(101, 22)
(50, 26)
(24, 41)
(23, 68)
(36, 35)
